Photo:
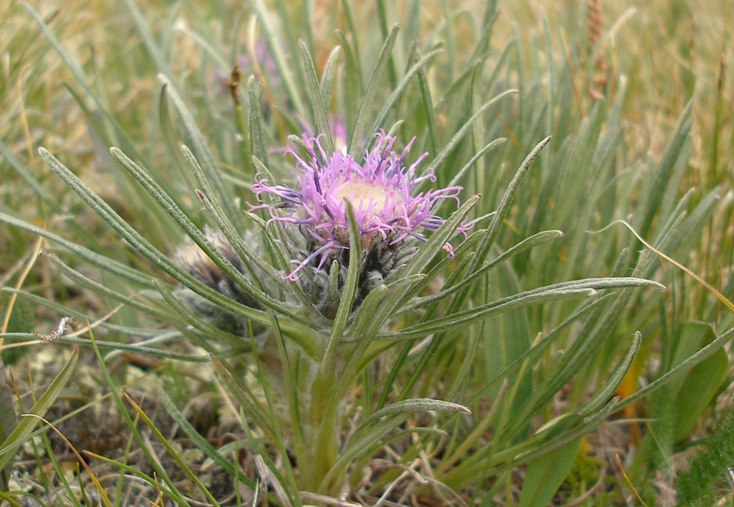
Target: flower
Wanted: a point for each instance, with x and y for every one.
(193, 260)
(381, 191)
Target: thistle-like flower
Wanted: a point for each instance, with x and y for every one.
(382, 193)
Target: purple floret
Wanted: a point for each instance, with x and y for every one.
(380, 191)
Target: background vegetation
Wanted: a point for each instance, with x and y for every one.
(639, 103)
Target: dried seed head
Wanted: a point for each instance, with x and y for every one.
(194, 261)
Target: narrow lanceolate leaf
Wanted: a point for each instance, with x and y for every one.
(248, 256)
(504, 205)
(102, 262)
(488, 147)
(20, 433)
(375, 81)
(349, 292)
(698, 390)
(139, 243)
(438, 239)
(665, 171)
(466, 128)
(274, 43)
(320, 116)
(420, 260)
(327, 79)
(601, 397)
(99, 288)
(680, 370)
(201, 442)
(201, 149)
(416, 405)
(526, 244)
(24, 173)
(196, 235)
(8, 420)
(255, 117)
(564, 290)
(145, 33)
(172, 452)
(149, 455)
(366, 313)
(372, 432)
(400, 88)
(77, 73)
(428, 108)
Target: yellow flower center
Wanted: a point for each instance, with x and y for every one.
(363, 194)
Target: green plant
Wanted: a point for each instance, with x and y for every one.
(360, 364)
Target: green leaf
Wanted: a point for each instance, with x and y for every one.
(698, 389)
(256, 124)
(438, 239)
(375, 80)
(149, 456)
(128, 299)
(201, 442)
(327, 79)
(320, 116)
(77, 73)
(21, 432)
(178, 215)
(675, 155)
(415, 405)
(273, 37)
(24, 173)
(602, 395)
(399, 89)
(374, 428)
(430, 111)
(172, 452)
(526, 244)
(366, 312)
(504, 206)
(466, 128)
(479, 154)
(545, 475)
(8, 420)
(246, 254)
(147, 36)
(349, 291)
(203, 154)
(208, 330)
(678, 371)
(250, 403)
(555, 292)
(138, 242)
(94, 258)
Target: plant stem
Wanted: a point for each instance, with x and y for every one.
(323, 434)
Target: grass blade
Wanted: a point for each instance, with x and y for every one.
(375, 80)
(21, 432)
(320, 117)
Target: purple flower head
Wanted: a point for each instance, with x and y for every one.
(381, 191)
